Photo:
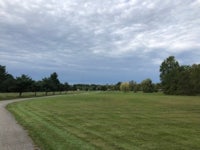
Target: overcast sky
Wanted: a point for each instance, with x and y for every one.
(97, 41)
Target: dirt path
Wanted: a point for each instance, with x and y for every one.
(12, 135)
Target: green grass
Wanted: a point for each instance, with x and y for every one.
(112, 121)
(7, 96)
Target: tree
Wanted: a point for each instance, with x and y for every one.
(9, 84)
(51, 83)
(125, 87)
(23, 83)
(168, 75)
(2, 73)
(117, 86)
(195, 78)
(133, 86)
(36, 86)
(54, 82)
(46, 86)
(147, 86)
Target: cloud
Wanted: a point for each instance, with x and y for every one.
(93, 36)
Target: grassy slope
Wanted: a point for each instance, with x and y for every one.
(112, 121)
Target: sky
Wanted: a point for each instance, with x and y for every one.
(97, 41)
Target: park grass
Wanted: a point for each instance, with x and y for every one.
(112, 121)
(8, 96)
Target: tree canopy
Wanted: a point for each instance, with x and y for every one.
(181, 80)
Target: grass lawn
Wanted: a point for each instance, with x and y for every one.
(7, 96)
(112, 121)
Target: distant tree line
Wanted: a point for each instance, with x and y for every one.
(24, 83)
(175, 79)
(179, 80)
(147, 86)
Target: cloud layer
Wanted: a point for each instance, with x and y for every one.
(97, 41)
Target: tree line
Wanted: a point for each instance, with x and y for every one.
(179, 79)
(24, 83)
(175, 79)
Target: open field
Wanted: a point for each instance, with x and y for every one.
(112, 120)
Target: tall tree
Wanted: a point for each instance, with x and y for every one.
(133, 86)
(2, 77)
(46, 85)
(7, 82)
(54, 82)
(2, 73)
(195, 78)
(169, 70)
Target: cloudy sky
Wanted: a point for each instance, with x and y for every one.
(97, 41)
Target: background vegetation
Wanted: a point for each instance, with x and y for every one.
(179, 80)
(175, 79)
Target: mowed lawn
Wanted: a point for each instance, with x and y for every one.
(112, 121)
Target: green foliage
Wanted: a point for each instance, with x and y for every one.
(175, 79)
(147, 86)
(112, 121)
(23, 83)
(7, 82)
(168, 75)
(133, 86)
(125, 87)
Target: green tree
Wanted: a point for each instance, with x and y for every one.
(195, 78)
(46, 85)
(36, 86)
(54, 82)
(2, 73)
(125, 87)
(51, 83)
(2, 77)
(147, 86)
(169, 70)
(9, 84)
(23, 83)
(133, 86)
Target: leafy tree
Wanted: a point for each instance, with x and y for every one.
(147, 86)
(36, 86)
(54, 82)
(195, 78)
(23, 83)
(46, 85)
(66, 86)
(117, 86)
(133, 86)
(9, 84)
(51, 83)
(2, 73)
(169, 70)
(125, 87)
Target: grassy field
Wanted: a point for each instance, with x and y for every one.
(112, 121)
(7, 96)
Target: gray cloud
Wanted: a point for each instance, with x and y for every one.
(95, 37)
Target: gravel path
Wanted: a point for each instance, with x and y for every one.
(12, 135)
